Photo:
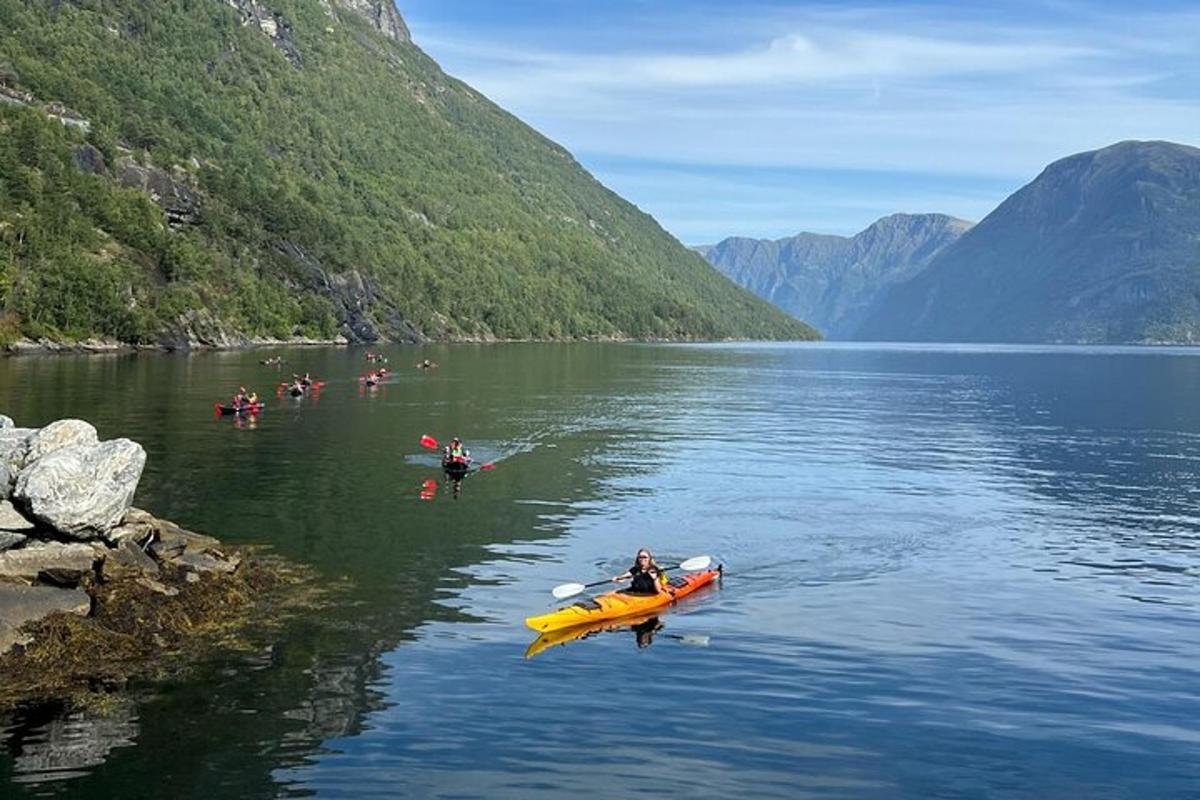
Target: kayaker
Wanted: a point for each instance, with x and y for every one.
(240, 399)
(252, 399)
(455, 452)
(307, 381)
(646, 576)
(426, 364)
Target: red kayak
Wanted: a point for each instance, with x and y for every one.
(249, 408)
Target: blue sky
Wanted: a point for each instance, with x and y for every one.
(766, 119)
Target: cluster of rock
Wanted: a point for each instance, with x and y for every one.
(67, 525)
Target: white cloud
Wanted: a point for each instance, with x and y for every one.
(941, 92)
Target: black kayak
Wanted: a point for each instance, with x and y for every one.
(455, 468)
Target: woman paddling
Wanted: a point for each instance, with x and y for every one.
(647, 577)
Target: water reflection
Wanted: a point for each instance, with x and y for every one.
(48, 744)
(961, 573)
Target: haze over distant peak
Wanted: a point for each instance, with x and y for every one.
(832, 281)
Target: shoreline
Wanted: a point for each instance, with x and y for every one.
(96, 594)
(45, 347)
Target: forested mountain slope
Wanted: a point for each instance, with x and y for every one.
(185, 171)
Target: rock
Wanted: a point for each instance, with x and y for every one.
(382, 15)
(88, 159)
(82, 491)
(55, 562)
(14, 445)
(22, 604)
(173, 193)
(206, 562)
(9, 540)
(158, 587)
(127, 560)
(171, 542)
(6, 422)
(57, 435)
(11, 520)
(137, 525)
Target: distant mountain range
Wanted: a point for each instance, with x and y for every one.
(1102, 247)
(832, 282)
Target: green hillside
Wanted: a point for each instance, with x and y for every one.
(185, 171)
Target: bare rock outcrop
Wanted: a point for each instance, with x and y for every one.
(67, 485)
(174, 193)
(82, 491)
(60, 434)
(14, 447)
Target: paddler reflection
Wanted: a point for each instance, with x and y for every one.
(644, 631)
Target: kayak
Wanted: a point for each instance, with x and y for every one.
(456, 467)
(252, 408)
(624, 603)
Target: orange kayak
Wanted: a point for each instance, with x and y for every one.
(620, 604)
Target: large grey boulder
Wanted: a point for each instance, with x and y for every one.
(6, 422)
(57, 435)
(22, 604)
(14, 446)
(82, 491)
(56, 562)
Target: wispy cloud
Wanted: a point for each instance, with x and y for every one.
(934, 92)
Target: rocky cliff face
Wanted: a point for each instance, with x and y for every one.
(832, 282)
(1101, 247)
(382, 15)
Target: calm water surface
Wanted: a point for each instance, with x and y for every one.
(952, 572)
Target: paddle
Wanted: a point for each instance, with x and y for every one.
(565, 590)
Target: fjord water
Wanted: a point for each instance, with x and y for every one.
(951, 572)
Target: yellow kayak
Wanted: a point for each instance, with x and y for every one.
(614, 605)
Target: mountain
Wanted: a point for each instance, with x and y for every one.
(1102, 247)
(833, 281)
(214, 171)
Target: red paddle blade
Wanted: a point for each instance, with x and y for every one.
(488, 467)
(429, 489)
(429, 441)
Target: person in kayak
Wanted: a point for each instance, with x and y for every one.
(240, 398)
(252, 399)
(646, 576)
(455, 452)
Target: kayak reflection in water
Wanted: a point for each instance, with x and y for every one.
(646, 576)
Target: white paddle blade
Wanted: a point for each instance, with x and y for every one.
(698, 562)
(566, 590)
(695, 640)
